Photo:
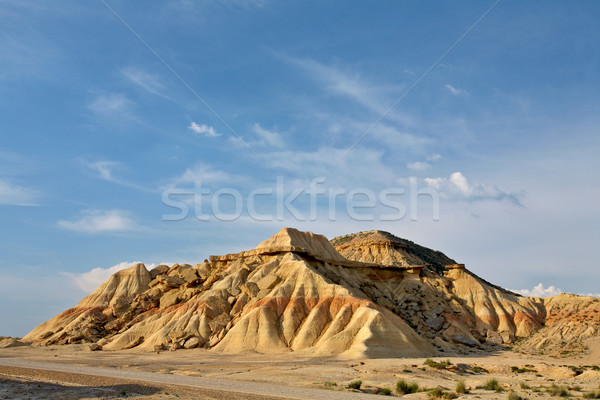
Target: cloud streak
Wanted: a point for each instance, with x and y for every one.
(458, 187)
(100, 221)
(16, 195)
(203, 129)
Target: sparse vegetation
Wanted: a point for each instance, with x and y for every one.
(438, 393)
(558, 391)
(461, 388)
(402, 387)
(525, 386)
(479, 370)
(329, 385)
(518, 370)
(513, 396)
(385, 392)
(592, 395)
(407, 371)
(355, 384)
(437, 365)
(493, 384)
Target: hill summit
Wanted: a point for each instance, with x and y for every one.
(369, 294)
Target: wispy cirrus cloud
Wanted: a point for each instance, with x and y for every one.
(111, 106)
(203, 129)
(17, 195)
(261, 137)
(101, 221)
(456, 91)
(418, 166)
(203, 173)
(105, 170)
(375, 97)
(147, 81)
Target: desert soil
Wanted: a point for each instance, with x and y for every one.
(73, 372)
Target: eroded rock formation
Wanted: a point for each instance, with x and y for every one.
(369, 295)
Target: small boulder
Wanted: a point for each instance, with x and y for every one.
(191, 343)
(436, 323)
(95, 347)
(464, 341)
(160, 270)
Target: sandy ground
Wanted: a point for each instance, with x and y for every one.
(576, 375)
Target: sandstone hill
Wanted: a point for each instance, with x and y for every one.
(368, 294)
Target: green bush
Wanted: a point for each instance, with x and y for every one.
(355, 384)
(518, 370)
(402, 387)
(437, 365)
(385, 392)
(440, 394)
(492, 384)
(558, 391)
(460, 387)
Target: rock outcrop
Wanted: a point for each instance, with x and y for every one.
(364, 295)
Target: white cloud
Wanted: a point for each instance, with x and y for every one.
(89, 281)
(458, 187)
(262, 137)
(11, 194)
(456, 91)
(203, 173)
(374, 97)
(111, 105)
(269, 137)
(418, 166)
(358, 166)
(97, 221)
(147, 81)
(103, 168)
(540, 291)
(203, 129)
(434, 157)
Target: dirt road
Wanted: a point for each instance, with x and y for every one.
(211, 388)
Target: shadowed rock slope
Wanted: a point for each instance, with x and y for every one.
(364, 295)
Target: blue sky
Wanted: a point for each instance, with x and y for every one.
(105, 106)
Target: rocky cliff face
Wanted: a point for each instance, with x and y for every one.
(367, 295)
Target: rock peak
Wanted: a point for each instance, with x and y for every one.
(314, 244)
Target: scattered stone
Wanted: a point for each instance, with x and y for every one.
(95, 347)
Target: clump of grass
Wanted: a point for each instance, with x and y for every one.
(438, 393)
(437, 365)
(461, 388)
(518, 370)
(479, 370)
(403, 387)
(513, 396)
(355, 384)
(408, 371)
(591, 395)
(330, 385)
(493, 384)
(595, 368)
(558, 391)
(525, 386)
(385, 391)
